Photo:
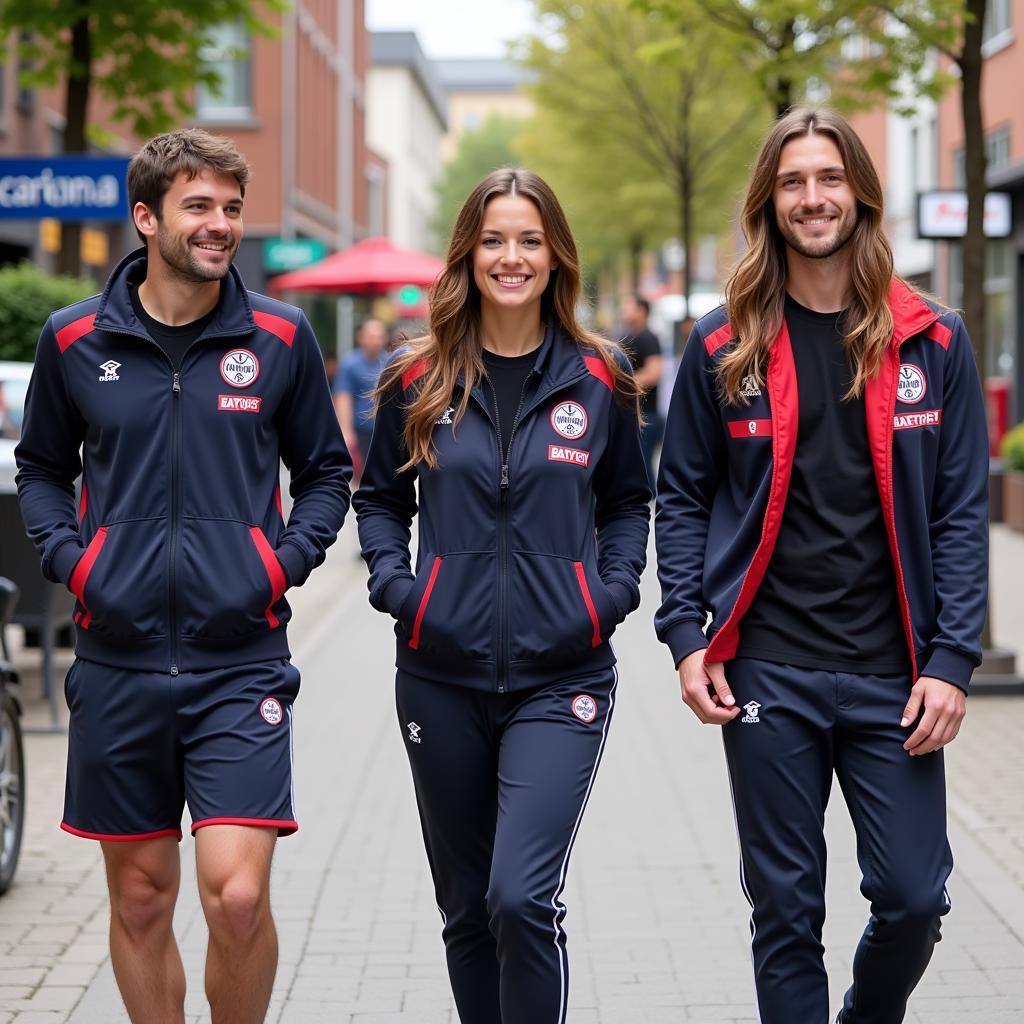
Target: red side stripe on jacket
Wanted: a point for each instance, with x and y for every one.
(278, 584)
(940, 333)
(716, 339)
(414, 640)
(67, 336)
(581, 576)
(414, 373)
(83, 504)
(277, 501)
(597, 367)
(277, 325)
(80, 574)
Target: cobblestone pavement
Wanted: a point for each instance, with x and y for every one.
(658, 929)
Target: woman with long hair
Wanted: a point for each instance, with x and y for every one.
(520, 430)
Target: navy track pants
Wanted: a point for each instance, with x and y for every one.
(798, 726)
(501, 783)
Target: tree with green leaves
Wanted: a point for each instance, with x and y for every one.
(143, 57)
(480, 150)
(639, 106)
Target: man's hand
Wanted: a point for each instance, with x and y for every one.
(944, 706)
(705, 691)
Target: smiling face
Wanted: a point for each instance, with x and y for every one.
(512, 260)
(815, 205)
(198, 228)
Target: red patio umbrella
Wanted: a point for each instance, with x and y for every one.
(370, 267)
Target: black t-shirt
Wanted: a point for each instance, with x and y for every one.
(640, 347)
(829, 598)
(175, 341)
(507, 376)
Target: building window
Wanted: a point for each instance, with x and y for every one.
(228, 53)
(997, 155)
(998, 20)
(998, 358)
(375, 202)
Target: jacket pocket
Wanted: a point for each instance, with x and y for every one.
(121, 580)
(557, 608)
(230, 581)
(449, 610)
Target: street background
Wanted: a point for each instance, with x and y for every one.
(658, 928)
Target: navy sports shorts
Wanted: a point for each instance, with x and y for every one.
(141, 744)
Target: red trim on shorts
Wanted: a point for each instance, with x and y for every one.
(137, 838)
(286, 828)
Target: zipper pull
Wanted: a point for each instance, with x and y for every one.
(176, 386)
(504, 476)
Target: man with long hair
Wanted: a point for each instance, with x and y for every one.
(823, 497)
(176, 395)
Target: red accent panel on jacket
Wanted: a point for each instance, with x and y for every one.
(83, 504)
(277, 325)
(278, 584)
(277, 501)
(581, 576)
(750, 428)
(879, 410)
(67, 336)
(80, 574)
(716, 339)
(785, 403)
(599, 369)
(414, 640)
(414, 373)
(940, 333)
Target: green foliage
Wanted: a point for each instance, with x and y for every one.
(1013, 448)
(481, 150)
(146, 54)
(27, 297)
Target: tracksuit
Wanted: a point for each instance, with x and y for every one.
(722, 491)
(177, 550)
(506, 680)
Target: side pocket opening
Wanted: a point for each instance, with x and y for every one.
(80, 575)
(414, 640)
(278, 583)
(581, 576)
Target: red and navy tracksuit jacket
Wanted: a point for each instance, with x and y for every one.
(524, 569)
(177, 549)
(725, 473)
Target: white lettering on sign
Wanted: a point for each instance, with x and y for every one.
(239, 403)
(908, 420)
(20, 191)
(556, 453)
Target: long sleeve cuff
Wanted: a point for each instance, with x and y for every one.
(684, 638)
(64, 560)
(293, 563)
(950, 665)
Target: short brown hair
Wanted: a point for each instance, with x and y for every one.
(155, 166)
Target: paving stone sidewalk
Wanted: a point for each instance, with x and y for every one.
(658, 929)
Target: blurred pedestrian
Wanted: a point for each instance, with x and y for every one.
(644, 351)
(354, 383)
(513, 432)
(183, 391)
(823, 495)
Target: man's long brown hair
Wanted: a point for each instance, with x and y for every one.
(756, 290)
(453, 346)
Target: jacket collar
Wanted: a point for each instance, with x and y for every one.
(910, 313)
(115, 311)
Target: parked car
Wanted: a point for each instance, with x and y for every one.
(12, 752)
(14, 379)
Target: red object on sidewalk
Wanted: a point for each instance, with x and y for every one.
(997, 405)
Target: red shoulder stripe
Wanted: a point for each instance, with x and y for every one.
(68, 335)
(716, 339)
(597, 367)
(414, 373)
(277, 325)
(940, 333)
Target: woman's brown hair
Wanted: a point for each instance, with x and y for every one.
(453, 348)
(756, 290)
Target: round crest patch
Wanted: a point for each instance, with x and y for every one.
(569, 419)
(911, 386)
(584, 708)
(239, 368)
(271, 710)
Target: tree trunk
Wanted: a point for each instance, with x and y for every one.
(686, 231)
(76, 108)
(636, 250)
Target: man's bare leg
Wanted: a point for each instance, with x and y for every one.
(142, 878)
(233, 865)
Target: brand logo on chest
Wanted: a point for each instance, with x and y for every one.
(239, 368)
(569, 419)
(239, 403)
(911, 386)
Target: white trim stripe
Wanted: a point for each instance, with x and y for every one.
(559, 908)
(291, 763)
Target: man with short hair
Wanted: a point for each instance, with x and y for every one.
(354, 384)
(644, 351)
(823, 497)
(183, 392)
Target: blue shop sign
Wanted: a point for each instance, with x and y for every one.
(63, 188)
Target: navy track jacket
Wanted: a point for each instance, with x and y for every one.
(178, 552)
(525, 569)
(725, 474)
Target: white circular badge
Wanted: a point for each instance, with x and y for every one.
(569, 419)
(911, 386)
(271, 710)
(584, 708)
(239, 368)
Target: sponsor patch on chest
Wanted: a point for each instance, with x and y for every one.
(239, 368)
(911, 386)
(569, 419)
(558, 453)
(239, 403)
(909, 420)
